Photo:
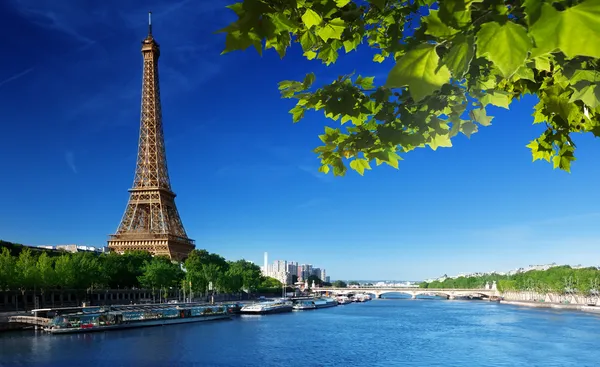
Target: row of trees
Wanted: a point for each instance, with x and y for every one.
(558, 279)
(201, 273)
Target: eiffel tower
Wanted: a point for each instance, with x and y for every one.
(151, 221)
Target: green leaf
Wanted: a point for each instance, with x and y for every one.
(310, 55)
(328, 54)
(456, 13)
(523, 73)
(378, 58)
(282, 22)
(419, 70)
(440, 140)
(536, 153)
(460, 55)
(542, 63)
(387, 156)
(352, 44)
(496, 98)
(311, 18)
(563, 162)
(533, 10)
(339, 169)
(380, 4)
(360, 165)
(365, 83)
(436, 27)
(589, 95)
(324, 169)
(575, 30)
(505, 45)
(468, 128)
(333, 29)
(309, 79)
(308, 41)
(297, 113)
(341, 3)
(480, 115)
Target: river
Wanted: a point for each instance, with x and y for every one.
(387, 332)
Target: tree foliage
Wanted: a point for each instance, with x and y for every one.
(452, 59)
(160, 273)
(30, 269)
(558, 279)
(339, 284)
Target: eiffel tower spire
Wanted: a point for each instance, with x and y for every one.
(151, 221)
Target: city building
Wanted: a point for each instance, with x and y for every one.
(75, 248)
(284, 271)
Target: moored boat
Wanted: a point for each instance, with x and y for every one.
(343, 300)
(125, 317)
(362, 297)
(325, 302)
(267, 307)
(304, 304)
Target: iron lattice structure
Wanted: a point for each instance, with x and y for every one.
(151, 221)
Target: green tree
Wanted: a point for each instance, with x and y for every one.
(353, 282)
(66, 276)
(250, 274)
(122, 271)
(47, 275)
(26, 271)
(160, 273)
(339, 284)
(270, 285)
(316, 279)
(7, 269)
(451, 60)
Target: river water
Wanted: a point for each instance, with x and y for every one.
(387, 332)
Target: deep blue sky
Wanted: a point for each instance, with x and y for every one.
(246, 178)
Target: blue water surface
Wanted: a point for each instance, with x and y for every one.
(388, 332)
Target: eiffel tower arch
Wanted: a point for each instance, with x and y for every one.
(151, 221)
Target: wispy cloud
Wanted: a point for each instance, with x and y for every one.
(56, 15)
(310, 203)
(532, 228)
(297, 159)
(70, 159)
(265, 171)
(313, 170)
(16, 76)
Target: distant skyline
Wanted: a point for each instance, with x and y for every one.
(245, 176)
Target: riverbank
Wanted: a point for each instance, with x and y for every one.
(560, 306)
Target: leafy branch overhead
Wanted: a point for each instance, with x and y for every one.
(452, 58)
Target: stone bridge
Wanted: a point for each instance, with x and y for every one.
(413, 292)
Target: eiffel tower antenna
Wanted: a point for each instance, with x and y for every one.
(151, 221)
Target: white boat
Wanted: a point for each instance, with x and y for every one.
(267, 307)
(361, 297)
(343, 300)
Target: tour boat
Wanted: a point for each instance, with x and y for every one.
(304, 304)
(361, 297)
(125, 317)
(267, 307)
(325, 302)
(343, 300)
